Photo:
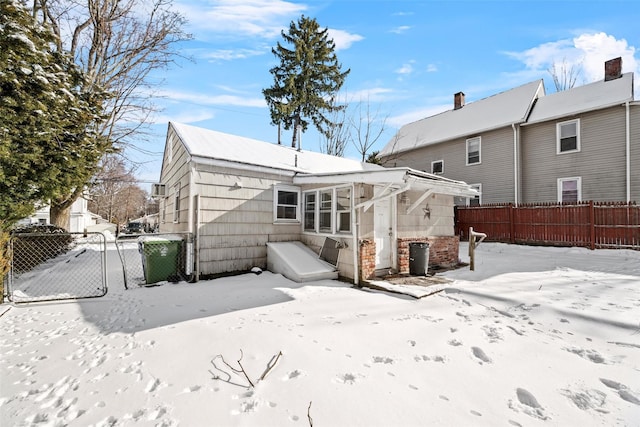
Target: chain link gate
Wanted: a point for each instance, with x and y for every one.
(56, 266)
(148, 259)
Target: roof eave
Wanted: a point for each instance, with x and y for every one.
(209, 161)
(576, 112)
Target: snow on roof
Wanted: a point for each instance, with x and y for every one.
(593, 96)
(502, 109)
(205, 143)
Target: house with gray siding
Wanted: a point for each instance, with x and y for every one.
(524, 146)
(237, 196)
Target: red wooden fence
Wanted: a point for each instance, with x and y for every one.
(588, 224)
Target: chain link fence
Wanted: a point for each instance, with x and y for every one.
(150, 259)
(55, 266)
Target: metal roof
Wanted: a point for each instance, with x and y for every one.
(206, 144)
(590, 97)
(500, 110)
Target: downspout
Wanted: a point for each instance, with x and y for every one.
(516, 169)
(628, 152)
(192, 171)
(354, 243)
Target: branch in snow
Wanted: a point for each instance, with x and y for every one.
(309, 414)
(227, 377)
(272, 363)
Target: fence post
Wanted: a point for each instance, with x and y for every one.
(512, 226)
(592, 221)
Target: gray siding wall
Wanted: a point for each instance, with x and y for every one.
(495, 172)
(600, 162)
(417, 223)
(175, 171)
(237, 222)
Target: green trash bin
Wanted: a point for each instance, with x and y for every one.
(160, 257)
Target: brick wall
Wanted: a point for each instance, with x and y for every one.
(443, 251)
(367, 259)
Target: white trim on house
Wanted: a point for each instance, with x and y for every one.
(441, 171)
(468, 142)
(289, 189)
(577, 180)
(559, 127)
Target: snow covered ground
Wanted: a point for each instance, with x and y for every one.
(534, 336)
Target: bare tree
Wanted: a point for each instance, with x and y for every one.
(565, 75)
(118, 44)
(390, 160)
(115, 195)
(338, 135)
(367, 127)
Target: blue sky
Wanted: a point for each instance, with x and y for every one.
(407, 58)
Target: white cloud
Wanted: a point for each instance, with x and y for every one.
(407, 68)
(231, 54)
(343, 39)
(587, 52)
(200, 99)
(374, 94)
(432, 68)
(262, 18)
(191, 116)
(411, 116)
(401, 29)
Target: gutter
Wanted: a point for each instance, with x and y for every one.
(354, 242)
(628, 151)
(516, 164)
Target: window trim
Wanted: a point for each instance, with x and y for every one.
(558, 139)
(468, 141)
(339, 212)
(304, 211)
(334, 212)
(291, 189)
(176, 203)
(578, 180)
(442, 168)
(479, 188)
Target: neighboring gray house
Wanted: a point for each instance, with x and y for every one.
(238, 195)
(522, 146)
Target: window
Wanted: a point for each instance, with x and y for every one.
(310, 211)
(569, 190)
(477, 200)
(328, 210)
(176, 203)
(343, 210)
(286, 204)
(437, 167)
(325, 211)
(473, 150)
(568, 136)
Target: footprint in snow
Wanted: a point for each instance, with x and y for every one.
(292, 375)
(587, 399)
(480, 354)
(590, 355)
(623, 391)
(527, 403)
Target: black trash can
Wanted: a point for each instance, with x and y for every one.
(418, 258)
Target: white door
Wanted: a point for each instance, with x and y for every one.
(383, 233)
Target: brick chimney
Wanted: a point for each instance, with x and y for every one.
(613, 69)
(458, 100)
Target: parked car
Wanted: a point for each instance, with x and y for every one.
(134, 228)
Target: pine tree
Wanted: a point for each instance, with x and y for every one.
(45, 118)
(307, 79)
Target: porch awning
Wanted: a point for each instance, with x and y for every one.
(403, 179)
